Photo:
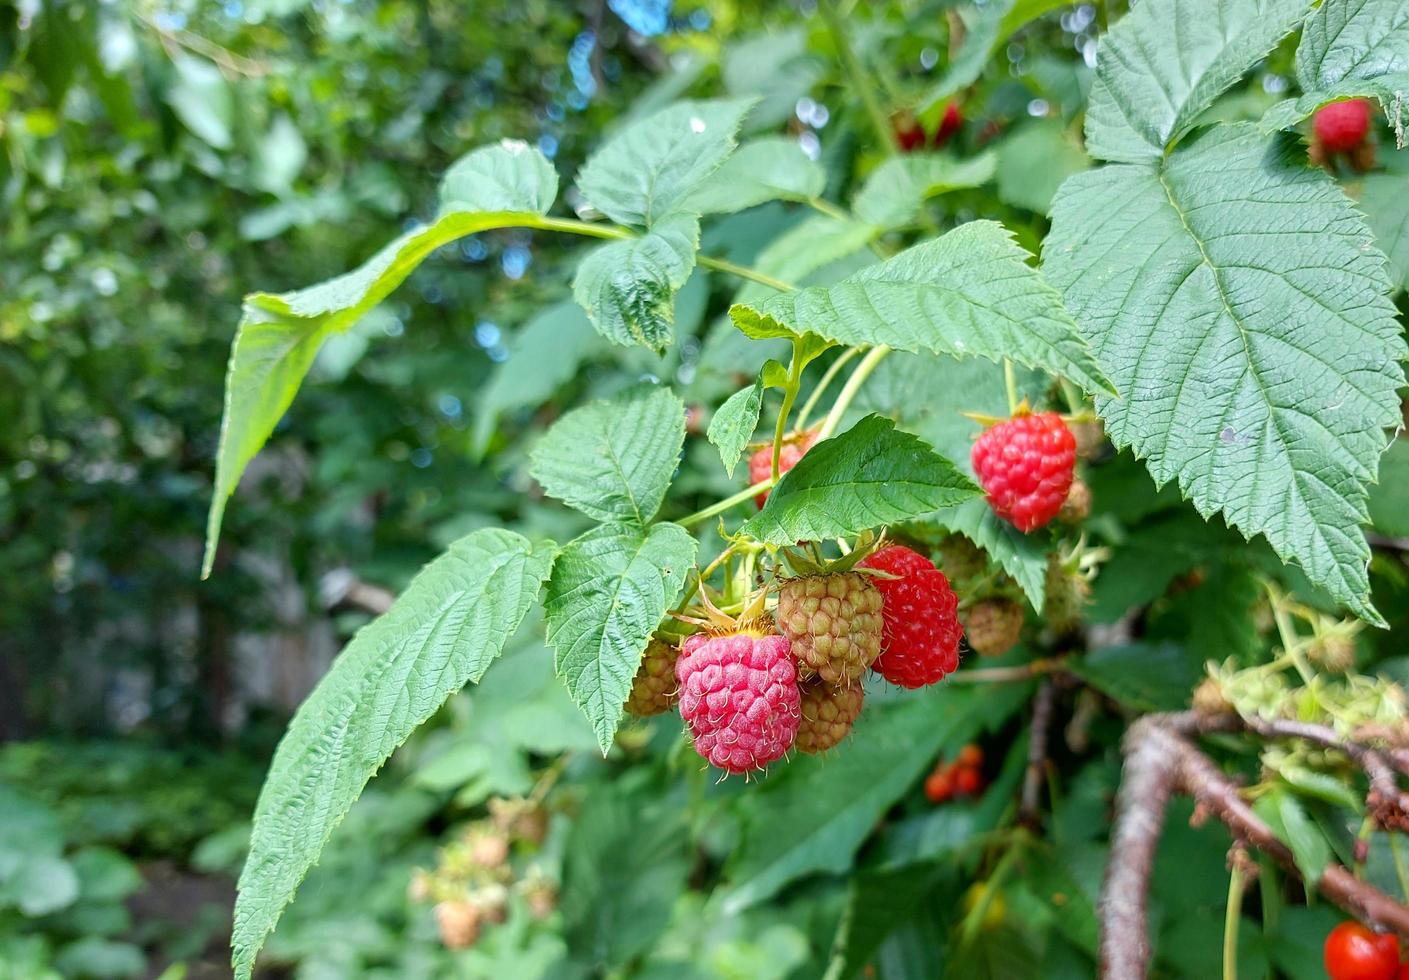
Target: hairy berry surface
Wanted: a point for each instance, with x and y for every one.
(920, 631)
(834, 624)
(1026, 466)
(739, 697)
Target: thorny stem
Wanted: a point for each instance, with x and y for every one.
(860, 81)
(848, 392)
(832, 371)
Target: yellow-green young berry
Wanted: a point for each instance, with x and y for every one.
(827, 714)
(833, 623)
(654, 689)
(993, 626)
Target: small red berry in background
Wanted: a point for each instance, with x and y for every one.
(909, 134)
(949, 124)
(939, 786)
(970, 757)
(761, 462)
(967, 782)
(1026, 466)
(920, 628)
(1342, 126)
(962, 777)
(1353, 952)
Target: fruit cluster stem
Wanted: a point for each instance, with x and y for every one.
(848, 393)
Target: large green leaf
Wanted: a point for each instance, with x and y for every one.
(509, 176)
(1350, 48)
(613, 459)
(609, 590)
(280, 333)
(1289, 820)
(1389, 500)
(648, 170)
(804, 249)
(868, 476)
(628, 287)
(769, 168)
(774, 66)
(894, 192)
(1164, 63)
(733, 425)
(545, 354)
(1238, 301)
(1033, 162)
(443, 631)
(797, 824)
(968, 292)
(1386, 208)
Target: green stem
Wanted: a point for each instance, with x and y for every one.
(1010, 381)
(744, 272)
(857, 75)
(748, 493)
(574, 227)
(1232, 918)
(822, 206)
(827, 379)
(848, 393)
(1286, 632)
(789, 396)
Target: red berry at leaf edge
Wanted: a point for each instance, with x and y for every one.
(1026, 465)
(761, 462)
(739, 697)
(909, 134)
(919, 618)
(1353, 952)
(949, 124)
(1342, 126)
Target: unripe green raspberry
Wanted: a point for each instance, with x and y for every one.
(654, 689)
(827, 714)
(833, 623)
(1068, 592)
(993, 626)
(960, 558)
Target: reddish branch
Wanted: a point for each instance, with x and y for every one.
(1160, 760)
(1036, 773)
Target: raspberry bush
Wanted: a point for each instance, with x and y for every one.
(1125, 427)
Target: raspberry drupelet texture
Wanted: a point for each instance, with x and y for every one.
(833, 623)
(827, 714)
(761, 462)
(994, 626)
(739, 697)
(1342, 126)
(1026, 466)
(654, 689)
(920, 632)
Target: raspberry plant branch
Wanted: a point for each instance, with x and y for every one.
(848, 393)
(827, 378)
(1233, 912)
(743, 496)
(1160, 761)
(1043, 704)
(794, 382)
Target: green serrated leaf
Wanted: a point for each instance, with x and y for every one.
(869, 476)
(769, 168)
(893, 194)
(628, 287)
(613, 459)
(1345, 40)
(1022, 556)
(648, 170)
(508, 176)
(442, 632)
(1291, 823)
(1141, 676)
(1033, 162)
(968, 292)
(733, 425)
(1164, 63)
(545, 354)
(280, 333)
(1238, 301)
(795, 823)
(1390, 91)
(609, 590)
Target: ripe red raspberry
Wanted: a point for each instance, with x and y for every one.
(738, 694)
(833, 623)
(920, 631)
(993, 626)
(1342, 126)
(761, 462)
(827, 714)
(909, 134)
(949, 125)
(653, 689)
(1025, 465)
